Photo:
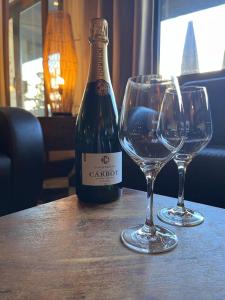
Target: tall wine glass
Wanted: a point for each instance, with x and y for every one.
(198, 125)
(150, 132)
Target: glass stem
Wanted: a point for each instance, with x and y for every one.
(149, 224)
(182, 172)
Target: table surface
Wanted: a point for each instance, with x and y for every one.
(68, 250)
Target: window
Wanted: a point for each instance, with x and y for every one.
(25, 40)
(191, 36)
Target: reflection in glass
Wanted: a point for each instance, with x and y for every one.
(31, 60)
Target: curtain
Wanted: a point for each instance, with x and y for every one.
(130, 35)
(2, 78)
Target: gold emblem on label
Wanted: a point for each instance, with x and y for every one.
(102, 87)
(105, 159)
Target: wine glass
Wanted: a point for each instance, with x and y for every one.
(198, 127)
(151, 133)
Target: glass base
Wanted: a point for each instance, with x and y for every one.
(140, 240)
(180, 217)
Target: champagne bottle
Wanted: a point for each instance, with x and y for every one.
(98, 152)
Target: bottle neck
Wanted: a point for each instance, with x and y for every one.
(99, 62)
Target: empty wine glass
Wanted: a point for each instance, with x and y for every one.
(198, 127)
(150, 132)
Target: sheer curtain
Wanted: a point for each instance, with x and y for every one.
(130, 34)
(2, 77)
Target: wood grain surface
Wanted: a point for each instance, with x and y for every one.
(67, 250)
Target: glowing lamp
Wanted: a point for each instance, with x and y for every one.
(59, 62)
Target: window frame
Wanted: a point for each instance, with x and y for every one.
(5, 25)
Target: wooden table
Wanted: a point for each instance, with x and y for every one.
(66, 250)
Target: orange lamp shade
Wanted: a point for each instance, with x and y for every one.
(59, 62)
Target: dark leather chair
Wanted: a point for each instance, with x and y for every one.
(21, 159)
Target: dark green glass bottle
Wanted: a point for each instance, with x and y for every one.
(98, 152)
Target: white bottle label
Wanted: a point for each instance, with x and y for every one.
(101, 168)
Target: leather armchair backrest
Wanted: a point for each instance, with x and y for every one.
(216, 94)
(22, 140)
